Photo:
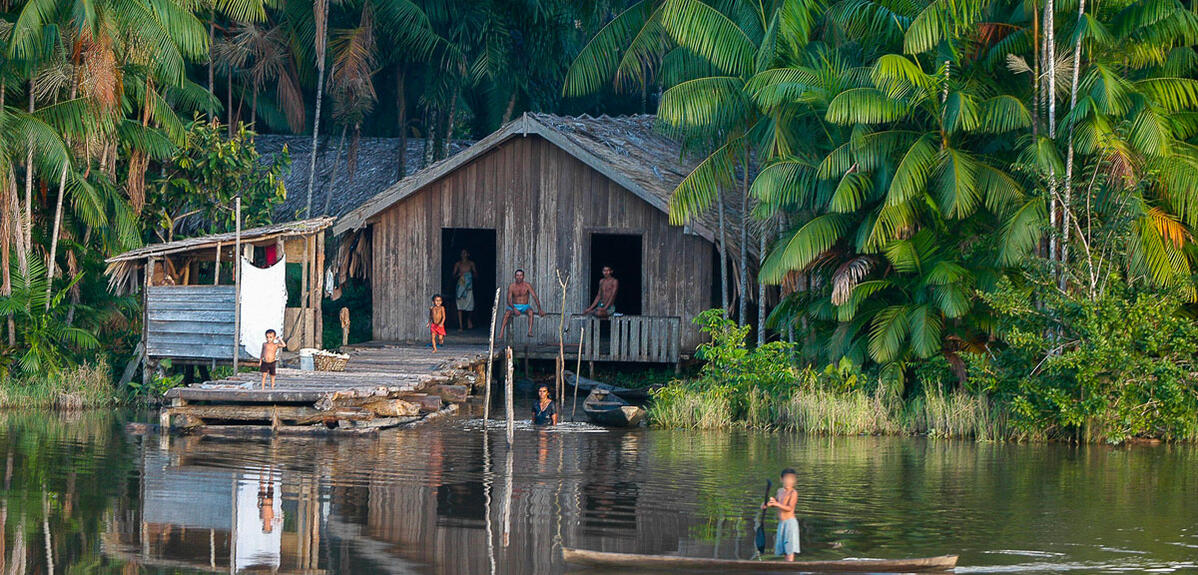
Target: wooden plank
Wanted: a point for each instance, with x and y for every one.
(182, 315)
(157, 326)
(634, 339)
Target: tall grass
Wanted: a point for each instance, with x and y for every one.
(830, 412)
(82, 387)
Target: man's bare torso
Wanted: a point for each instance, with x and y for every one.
(607, 290)
(519, 291)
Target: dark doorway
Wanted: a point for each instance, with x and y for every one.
(623, 253)
(480, 244)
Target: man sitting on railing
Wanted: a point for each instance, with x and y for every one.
(517, 302)
(604, 305)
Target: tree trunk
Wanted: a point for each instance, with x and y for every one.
(761, 241)
(1050, 58)
(453, 109)
(333, 176)
(401, 114)
(511, 107)
(73, 268)
(211, 64)
(321, 8)
(742, 318)
(1066, 207)
(229, 105)
(6, 230)
(50, 269)
(723, 247)
(27, 225)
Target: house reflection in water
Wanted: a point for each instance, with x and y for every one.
(401, 502)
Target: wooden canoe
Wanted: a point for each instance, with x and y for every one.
(607, 409)
(671, 563)
(589, 385)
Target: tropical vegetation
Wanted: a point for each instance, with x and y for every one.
(901, 163)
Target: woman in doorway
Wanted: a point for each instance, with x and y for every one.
(464, 271)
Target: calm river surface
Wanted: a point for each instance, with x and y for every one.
(435, 499)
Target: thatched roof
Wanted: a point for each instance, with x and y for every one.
(627, 149)
(375, 169)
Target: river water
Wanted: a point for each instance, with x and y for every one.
(81, 495)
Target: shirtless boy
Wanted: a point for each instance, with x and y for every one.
(436, 321)
(605, 302)
(787, 540)
(517, 302)
(268, 360)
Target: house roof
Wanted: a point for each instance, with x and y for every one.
(627, 149)
(286, 229)
(374, 170)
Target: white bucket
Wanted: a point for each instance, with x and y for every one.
(308, 359)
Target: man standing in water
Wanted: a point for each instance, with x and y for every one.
(517, 302)
(605, 301)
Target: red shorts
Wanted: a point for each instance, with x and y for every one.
(437, 329)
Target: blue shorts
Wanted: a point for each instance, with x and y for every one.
(787, 539)
(520, 308)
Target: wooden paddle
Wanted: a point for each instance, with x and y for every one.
(761, 519)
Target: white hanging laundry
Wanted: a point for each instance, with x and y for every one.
(263, 302)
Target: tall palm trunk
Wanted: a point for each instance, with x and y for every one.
(336, 167)
(401, 114)
(723, 248)
(1050, 59)
(211, 63)
(27, 225)
(1066, 208)
(321, 13)
(761, 241)
(6, 229)
(62, 184)
(742, 316)
(453, 108)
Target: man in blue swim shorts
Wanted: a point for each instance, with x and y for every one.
(518, 294)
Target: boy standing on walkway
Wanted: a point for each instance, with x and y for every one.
(268, 360)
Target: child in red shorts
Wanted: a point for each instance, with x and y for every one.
(436, 321)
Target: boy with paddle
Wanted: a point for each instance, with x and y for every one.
(786, 542)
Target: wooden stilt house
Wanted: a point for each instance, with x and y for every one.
(560, 198)
(189, 290)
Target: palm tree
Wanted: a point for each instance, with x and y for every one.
(46, 339)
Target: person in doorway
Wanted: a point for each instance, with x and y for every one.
(518, 294)
(436, 321)
(605, 301)
(786, 542)
(268, 358)
(544, 411)
(464, 271)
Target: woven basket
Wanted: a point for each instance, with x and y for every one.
(326, 361)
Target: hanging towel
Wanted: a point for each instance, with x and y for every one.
(263, 300)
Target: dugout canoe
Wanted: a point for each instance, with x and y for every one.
(588, 385)
(663, 563)
(607, 409)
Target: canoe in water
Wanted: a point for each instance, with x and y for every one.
(607, 409)
(588, 385)
(672, 563)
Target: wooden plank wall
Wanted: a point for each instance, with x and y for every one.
(544, 205)
(193, 322)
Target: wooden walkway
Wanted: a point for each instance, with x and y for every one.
(382, 386)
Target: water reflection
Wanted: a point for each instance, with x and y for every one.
(82, 494)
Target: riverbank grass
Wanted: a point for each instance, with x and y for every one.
(83, 387)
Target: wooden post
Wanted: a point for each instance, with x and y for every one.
(145, 324)
(237, 288)
(318, 295)
(560, 375)
(508, 391)
(216, 266)
(344, 315)
(490, 362)
(303, 315)
(582, 333)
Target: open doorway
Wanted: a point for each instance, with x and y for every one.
(480, 245)
(623, 253)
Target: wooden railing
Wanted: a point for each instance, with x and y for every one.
(633, 338)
